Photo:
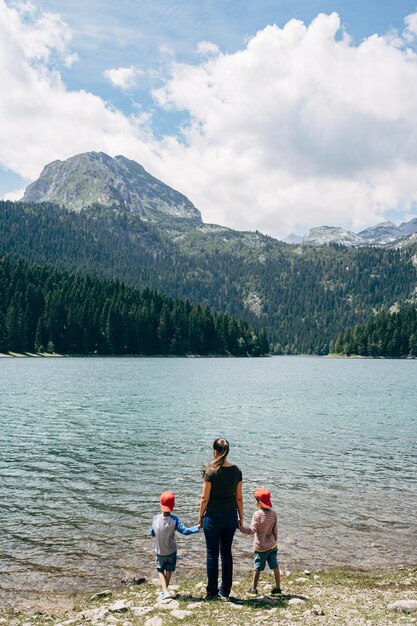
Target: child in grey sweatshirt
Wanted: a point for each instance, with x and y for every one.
(163, 529)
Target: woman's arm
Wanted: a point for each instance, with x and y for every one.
(239, 502)
(205, 497)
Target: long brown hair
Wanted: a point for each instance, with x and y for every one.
(221, 446)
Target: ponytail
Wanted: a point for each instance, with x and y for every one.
(221, 446)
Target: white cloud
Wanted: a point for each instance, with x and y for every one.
(207, 48)
(41, 119)
(299, 128)
(14, 195)
(124, 78)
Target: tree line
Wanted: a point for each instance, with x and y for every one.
(42, 309)
(392, 335)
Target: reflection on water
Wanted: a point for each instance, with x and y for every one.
(88, 444)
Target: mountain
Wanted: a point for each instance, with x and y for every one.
(383, 234)
(408, 228)
(323, 235)
(112, 219)
(94, 178)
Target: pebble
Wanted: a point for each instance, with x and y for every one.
(132, 580)
(142, 610)
(296, 601)
(403, 606)
(120, 606)
(181, 614)
(235, 606)
(92, 615)
(101, 594)
(194, 605)
(317, 610)
(110, 619)
(169, 604)
(288, 572)
(301, 579)
(307, 572)
(154, 621)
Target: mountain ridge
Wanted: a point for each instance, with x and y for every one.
(93, 178)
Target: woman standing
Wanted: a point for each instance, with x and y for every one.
(221, 503)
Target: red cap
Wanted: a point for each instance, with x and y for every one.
(264, 497)
(167, 501)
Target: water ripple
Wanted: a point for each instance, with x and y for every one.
(88, 444)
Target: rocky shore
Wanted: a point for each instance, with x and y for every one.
(332, 597)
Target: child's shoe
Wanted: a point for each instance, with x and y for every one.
(252, 592)
(164, 595)
(276, 591)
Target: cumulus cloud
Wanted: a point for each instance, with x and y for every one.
(124, 78)
(14, 195)
(41, 119)
(299, 128)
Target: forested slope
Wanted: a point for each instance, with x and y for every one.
(303, 296)
(42, 308)
(392, 335)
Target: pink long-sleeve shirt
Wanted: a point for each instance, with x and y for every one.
(264, 528)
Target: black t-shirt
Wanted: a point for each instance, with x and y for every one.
(223, 488)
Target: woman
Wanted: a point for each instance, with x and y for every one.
(221, 502)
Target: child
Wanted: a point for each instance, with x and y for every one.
(163, 529)
(264, 527)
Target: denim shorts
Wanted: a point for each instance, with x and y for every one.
(166, 563)
(260, 559)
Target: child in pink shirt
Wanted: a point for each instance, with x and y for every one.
(264, 529)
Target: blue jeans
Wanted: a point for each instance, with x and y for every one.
(219, 530)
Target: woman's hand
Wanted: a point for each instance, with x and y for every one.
(205, 497)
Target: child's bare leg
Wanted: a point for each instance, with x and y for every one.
(162, 580)
(255, 580)
(168, 577)
(277, 578)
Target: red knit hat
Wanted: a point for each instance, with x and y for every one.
(167, 501)
(264, 497)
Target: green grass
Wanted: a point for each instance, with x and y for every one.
(343, 596)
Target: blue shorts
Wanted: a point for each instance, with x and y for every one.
(260, 559)
(166, 563)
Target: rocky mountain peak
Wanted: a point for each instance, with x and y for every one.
(96, 178)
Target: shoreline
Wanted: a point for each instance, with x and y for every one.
(333, 596)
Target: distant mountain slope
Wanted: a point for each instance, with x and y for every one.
(95, 178)
(383, 234)
(324, 235)
(304, 296)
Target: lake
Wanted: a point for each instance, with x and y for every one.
(89, 444)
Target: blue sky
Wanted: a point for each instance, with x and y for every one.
(159, 42)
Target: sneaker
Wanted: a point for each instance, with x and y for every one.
(276, 591)
(164, 595)
(252, 592)
(223, 598)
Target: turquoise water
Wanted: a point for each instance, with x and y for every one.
(88, 444)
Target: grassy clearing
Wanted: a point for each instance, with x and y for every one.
(333, 597)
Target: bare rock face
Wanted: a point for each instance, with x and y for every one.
(95, 178)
